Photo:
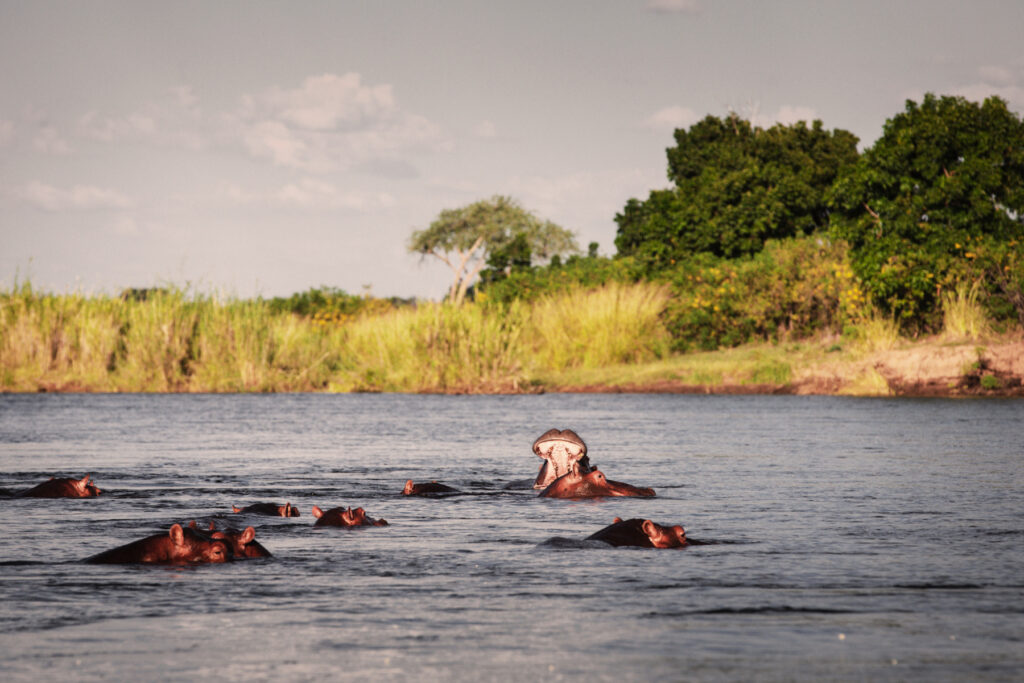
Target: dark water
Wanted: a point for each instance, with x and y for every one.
(853, 540)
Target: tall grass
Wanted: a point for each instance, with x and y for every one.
(174, 342)
(588, 328)
(874, 331)
(963, 315)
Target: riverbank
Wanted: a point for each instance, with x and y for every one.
(934, 366)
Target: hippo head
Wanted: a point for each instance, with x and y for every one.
(664, 536)
(355, 517)
(592, 484)
(188, 545)
(84, 488)
(242, 543)
(560, 449)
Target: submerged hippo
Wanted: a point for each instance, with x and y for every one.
(272, 509)
(561, 449)
(412, 489)
(642, 533)
(592, 484)
(178, 546)
(243, 544)
(63, 487)
(341, 516)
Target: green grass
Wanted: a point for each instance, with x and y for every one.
(963, 315)
(176, 342)
(612, 336)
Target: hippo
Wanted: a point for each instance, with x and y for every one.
(561, 449)
(178, 546)
(340, 516)
(412, 489)
(272, 509)
(642, 533)
(63, 487)
(243, 544)
(592, 484)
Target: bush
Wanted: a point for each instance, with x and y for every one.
(793, 288)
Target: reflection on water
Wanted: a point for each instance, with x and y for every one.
(850, 539)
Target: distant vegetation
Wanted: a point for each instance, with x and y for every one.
(767, 236)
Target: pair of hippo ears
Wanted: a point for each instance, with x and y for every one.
(567, 439)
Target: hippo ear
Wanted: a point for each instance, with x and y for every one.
(616, 520)
(83, 482)
(212, 526)
(248, 535)
(408, 487)
(649, 528)
(235, 508)
(317, 512)
(177, 535)
(192, 525)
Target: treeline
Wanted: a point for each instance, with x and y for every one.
(789, 231)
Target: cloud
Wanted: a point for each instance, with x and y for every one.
(1001, 81)
(485, 129)
(175, 121)
(6, 131)
(330, 122)
(675, 6)
(670, 118)
(49, 141)
(307, 194)
(999, 75)
(788, 114)
(79, 197)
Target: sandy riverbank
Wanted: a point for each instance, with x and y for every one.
(930, 367)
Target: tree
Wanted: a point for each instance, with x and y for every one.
(736, 186)
(467, 237)
(938, 199)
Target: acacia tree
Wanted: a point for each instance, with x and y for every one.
(466, 237)
(937, 200)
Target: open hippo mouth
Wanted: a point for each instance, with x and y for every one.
(563, 451)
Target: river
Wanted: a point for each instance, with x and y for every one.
(847, 539)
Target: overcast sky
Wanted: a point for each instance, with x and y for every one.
(262, 148)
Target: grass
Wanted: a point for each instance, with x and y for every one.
(963, 315)
(175, 342)
(610, 337)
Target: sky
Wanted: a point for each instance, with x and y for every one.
(252, 148)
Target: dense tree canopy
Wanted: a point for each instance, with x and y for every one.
(736, 186)
(467, 237)
(939, 198)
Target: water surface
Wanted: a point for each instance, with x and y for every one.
(851, 539)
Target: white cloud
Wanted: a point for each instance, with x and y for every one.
(331, 122)
(787, 115)
(49, 141)
(999, 75)
(50, 198)
(6, 131)
(307, 194)
(681, 6)
(174, 121)
(274, 140)
(329, 102)
(670, 118)
(485, 129)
